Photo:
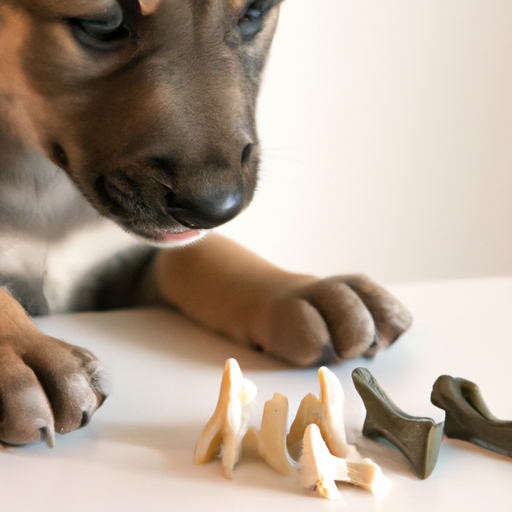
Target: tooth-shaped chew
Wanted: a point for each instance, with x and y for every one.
(467, 416)
(418, 438)
(229, 422)
(319, 469)
(272, 439)
(326, 412)
(250, 444)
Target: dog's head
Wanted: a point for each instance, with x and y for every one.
(148, 105)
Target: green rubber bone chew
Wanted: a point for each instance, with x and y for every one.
(419, 439)
(467, 415)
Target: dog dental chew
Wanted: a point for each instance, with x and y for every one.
(272, 436)
(319, 469)
(467, 416)
(418, 438)
(229, 423)
(326, 412)
(319, 423)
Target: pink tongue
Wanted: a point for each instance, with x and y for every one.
(169, 237)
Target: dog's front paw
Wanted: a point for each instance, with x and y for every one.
(46, 386)
(329, 320)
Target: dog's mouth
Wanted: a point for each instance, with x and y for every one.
(178, 237)
(169, 239)
(162, 203)
(146, 206)
(171, 235)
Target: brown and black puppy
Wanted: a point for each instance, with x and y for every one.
(142, 112)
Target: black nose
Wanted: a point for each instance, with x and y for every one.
(208, 211)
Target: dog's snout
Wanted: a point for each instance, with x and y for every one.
(210, 192)
(207, 211)
(164, 193)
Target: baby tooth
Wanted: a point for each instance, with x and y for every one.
(319, 469)
(326, 412)
(229, 422)
(272, 444)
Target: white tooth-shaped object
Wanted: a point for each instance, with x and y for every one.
(364, 473)
(250, 444)
(319, 469)
(272, 437)
(326, 412)
(229, 423)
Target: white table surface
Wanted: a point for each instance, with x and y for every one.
(165, 375)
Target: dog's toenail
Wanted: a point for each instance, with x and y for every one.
(47, 436)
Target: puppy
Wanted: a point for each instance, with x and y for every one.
(142, 113)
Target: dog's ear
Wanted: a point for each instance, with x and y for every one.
(148, 6)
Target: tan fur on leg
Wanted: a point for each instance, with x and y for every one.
(298, 318)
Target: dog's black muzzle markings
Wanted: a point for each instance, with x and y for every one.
(162, 192)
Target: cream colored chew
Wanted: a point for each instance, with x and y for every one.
(250, 444)
(272, 438)
(319, 469)
(317, 419)
(326, 412)
(229, 423)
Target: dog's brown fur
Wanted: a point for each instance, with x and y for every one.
(152, 127)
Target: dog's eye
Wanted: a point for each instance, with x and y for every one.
(252, 20)
(100, 34)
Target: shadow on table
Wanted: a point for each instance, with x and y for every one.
(156, 437)
(175, 445)
(161, 330)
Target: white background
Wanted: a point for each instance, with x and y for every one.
(386, 128)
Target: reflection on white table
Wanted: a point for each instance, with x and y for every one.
(165, 376)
